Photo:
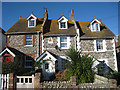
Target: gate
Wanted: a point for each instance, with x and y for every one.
(4, 81)
(25, 81)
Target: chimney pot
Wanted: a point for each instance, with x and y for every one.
(45, 9)
(20, 17)
(71, 11)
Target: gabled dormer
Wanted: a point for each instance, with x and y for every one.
(63, 22)
(95, 25)
(31, 20)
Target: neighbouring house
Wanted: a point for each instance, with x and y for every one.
(47, 40)
(118, 50)
(24, 37)
(2, 39)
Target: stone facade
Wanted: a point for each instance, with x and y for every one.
(18, 42)
(89, 45)
(51, 46)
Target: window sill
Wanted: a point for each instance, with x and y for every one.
(27, 66)
(28, 45)
(101, 51)
(64, 48)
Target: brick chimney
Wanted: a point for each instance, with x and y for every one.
(45, 14)
(72, 15)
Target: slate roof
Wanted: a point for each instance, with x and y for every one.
(51, 28)
(22, 26)
(85, 31)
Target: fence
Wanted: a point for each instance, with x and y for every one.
(4, 81)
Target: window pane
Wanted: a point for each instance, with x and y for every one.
(22, 80)
(99, 45)
(31, 22)
(97, 27)
(26, 80)
(63, 25)
(46, 66)
(63, 39)
(93, 27)
(30, 80)
(63, 45)
(17, 80)
(28, 40)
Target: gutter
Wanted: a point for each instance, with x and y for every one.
(96, 37)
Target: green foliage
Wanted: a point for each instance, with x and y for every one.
(116, 75)
(80, 66)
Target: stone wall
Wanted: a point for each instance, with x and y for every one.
(88, 45)
(51, 47)
(18, 42)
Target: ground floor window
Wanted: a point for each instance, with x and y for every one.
(46, 66)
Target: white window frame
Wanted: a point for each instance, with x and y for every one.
(63, 20)
(68, 42)
(32, 20)
(27, 61)
(95, 28)
(25, 41)
(103, 43)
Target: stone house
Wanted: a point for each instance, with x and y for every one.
(46, 41)
(118, 50)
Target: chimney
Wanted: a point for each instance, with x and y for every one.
(72, 15)
(20, 17)
(45, 14)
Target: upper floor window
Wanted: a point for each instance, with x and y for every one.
(99, 45)
(63, 23)
(31, 22)
(28, 40)
(95, 25)
(63, 42)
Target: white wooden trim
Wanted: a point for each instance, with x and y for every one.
(104, 45)
(58, 39)
(96, 21)
(65, 20)
(8, 51)
(115, 57)
(31, 15)
(34, 23)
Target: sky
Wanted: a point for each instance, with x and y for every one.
(83, 11)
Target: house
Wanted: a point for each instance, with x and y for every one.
(24, 37)
(92, 37)
(2, 39)
(118, 50)
(47, 40)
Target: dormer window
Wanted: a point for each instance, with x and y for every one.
(31, 23)
(63, 23)
(31, 20)
(95, 25)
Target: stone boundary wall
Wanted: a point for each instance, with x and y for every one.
(101, 82)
